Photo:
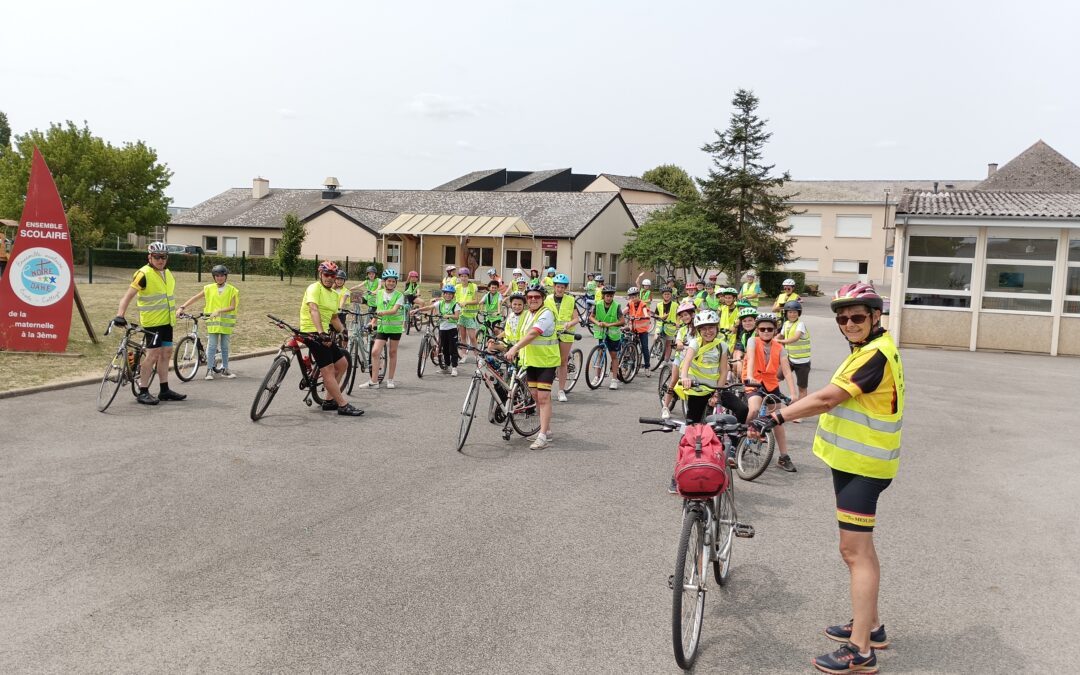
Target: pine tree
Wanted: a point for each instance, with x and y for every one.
(288, 250)
(742, 198)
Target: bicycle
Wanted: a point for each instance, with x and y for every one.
(656, 350)
(310, 374)
(430, 347)
(709, 528)
(189, 352)
(574, 363)
(517, 409)
(752, 457)
(358, 346)
(125, 366)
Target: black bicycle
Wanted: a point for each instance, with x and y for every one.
(294, 348)
(125, 366)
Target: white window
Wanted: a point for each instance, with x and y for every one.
(1072, 279)
(599, 263)
(517, 258)
(845, 266)
(853, 226)
(803, 265)
(230, 244)
(805, 225)
(393, 253)
(939, 270)
(1019, 273)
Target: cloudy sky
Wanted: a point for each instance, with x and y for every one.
(411, 93)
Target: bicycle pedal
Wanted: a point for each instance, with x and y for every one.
(744, 531)
(671, 581)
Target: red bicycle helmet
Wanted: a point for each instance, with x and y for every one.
(857, 293)
(328, 267)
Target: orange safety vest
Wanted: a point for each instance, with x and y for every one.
(639, 316)
(765, 373)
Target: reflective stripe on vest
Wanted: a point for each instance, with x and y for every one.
(639, 316)
(853, 438)
(800, 349)
(750, 288)
(669, 317)
(706, 372)
(542, 352)
(467, 293)
(607, 315)
(223, 323)
(766, 373)
(391, 323)
(157, 306)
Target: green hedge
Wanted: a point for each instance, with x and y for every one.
(771, 281)
(179, 262)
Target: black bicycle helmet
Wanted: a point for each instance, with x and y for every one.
(517, 295)
(220, 269)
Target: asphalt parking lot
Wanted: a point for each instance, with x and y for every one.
(187, 538)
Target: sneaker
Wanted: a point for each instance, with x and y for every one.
(847, 660)
(390, 384)
(453, 372)
(665, 413)
(170, 395)
(330, 405)
(878, 639)
(146, 398)
(350, 410)
(368, 384)
(540, 443)
(673, 489)
(648, 371)
(562, 396)
(209, 374)
(613, 385)
(784, 462)
(228, 374)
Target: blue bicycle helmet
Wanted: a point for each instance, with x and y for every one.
(550, 270)
(449, 289)
(562, 279)
(389, 274)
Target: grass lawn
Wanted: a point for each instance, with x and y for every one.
(259, 296)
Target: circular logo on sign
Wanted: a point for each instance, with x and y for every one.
(39, 276)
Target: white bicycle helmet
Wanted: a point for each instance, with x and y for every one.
(157, 247)
(788, 282)
(633, 290)
(518, 272)
(706, 317)
(646, 282)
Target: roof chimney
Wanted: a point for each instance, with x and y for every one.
(331, 192)
(991, 169)
(260, 187)
(935, 187)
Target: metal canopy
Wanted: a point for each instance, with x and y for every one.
(419, 224)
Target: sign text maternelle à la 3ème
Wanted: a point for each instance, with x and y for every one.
(37, 288)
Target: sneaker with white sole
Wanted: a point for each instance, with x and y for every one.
(540, 443)
(562, 396)
(613, 385)
(228, 374)
(453, 372)
(665, 413)
(209, 375)
(368, 384)
(390, 384)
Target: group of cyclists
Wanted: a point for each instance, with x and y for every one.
(714, 335)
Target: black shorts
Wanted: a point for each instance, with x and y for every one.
(158, 336)
(856, 500)
(325, 355)
(802, 374)
(388, 336)
(762, 391)
(540, 378)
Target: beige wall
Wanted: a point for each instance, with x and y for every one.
(602, 184)
(1013, 332)
(1069, 338)
(606, 234)
(935, 327)
(331, 235)
(193, 235)
(828, 247)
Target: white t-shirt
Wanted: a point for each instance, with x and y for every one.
(446, 311)
(545, 322)
(799, 328)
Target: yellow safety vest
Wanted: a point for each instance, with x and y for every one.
(852, 438)
(729, 320)
(800, 349)
(512, 333)
(784, 298)
(671, 324)
(705, 368)
(549, 282)
(467, 293)
(223, 323)
(564, 314)
(156, 302)
(748, 288)
(543, 352)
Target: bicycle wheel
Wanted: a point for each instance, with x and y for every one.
(596, 367)
(753, 457)
(688, 589)
(422, 358)
(662, 380)
(357, 360)
(136, 373)
(186, 359)
(573, 370)
(656, 353)
(628, 364)
(269, 387)
(524, 413)
(724, 536)
(320, 394)
(468, 411)
(111, 381)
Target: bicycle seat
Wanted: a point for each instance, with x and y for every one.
(721, 420)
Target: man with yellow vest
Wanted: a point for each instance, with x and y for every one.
(786, 295)
(751, 290)
(220, 300)
(566, 320)
(540, 344)
(155, 289)
(795, 337)
(858, 437)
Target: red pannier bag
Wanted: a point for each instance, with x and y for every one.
(699, 465)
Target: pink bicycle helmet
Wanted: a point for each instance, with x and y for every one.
(857, 293)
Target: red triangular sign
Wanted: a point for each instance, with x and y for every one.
(38, 284)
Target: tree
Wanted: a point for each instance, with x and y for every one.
(674, 179)
(675, 238)
(742, 199)
(288, 250)
(111, 190)
(5, 132)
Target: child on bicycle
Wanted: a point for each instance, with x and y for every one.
(447, 310)
(766, 361)
(704, 367)
(490, 303)
(685, 317)
(743, 332)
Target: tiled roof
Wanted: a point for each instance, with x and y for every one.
(1000, 204)
(467, 179)
(1040, 168)
(641, 212)
(635, 183)
(873, 191)
(533, 178)
(549, 214)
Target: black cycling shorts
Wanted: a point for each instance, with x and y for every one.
(325, 355)
(158, 336)
(801, 371)
(388, 336)
(856, 500)
(540, 378)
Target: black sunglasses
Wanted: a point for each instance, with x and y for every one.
(766, 330)
(159, 256)
(857, 319)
